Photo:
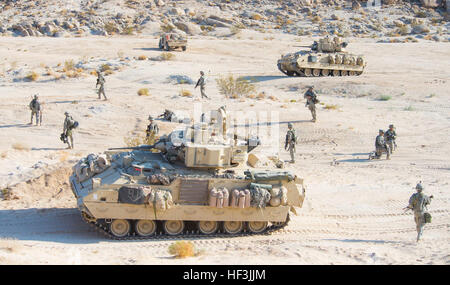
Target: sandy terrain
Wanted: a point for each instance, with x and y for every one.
(353, 210)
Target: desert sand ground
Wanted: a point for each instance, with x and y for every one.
(353, 210)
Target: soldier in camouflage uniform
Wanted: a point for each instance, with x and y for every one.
(311, 100)
(291, 141)
(101, 82)
(201, 82)
(418, 203)
(152, 129)
(390, 136)
(35, 107)
(381, 146)
(69, 125)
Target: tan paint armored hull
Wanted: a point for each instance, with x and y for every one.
(321, 64)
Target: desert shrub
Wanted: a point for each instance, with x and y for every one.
(403, 30)
(69, 65)
(142, 57)
(109, 72)
(20, 146)
(409, 108)
(111, 28)
(185, 93)
(128, 30)
(421, 14)
(167, 56)
(182, 249)
(331, 107)
(93, 72)
(235, 30)
(134, 139)
(256, 17)
(384, 98)
(105, 67)
(234, 88)
(261, 95)
(32, 76)
(316, 19)
(143, 92)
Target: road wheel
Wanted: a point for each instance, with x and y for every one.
(344, 73)
(145, 228)
(359, 73)
(173, 227)
(233, 227)
(257, 227)
(120, 228)
(289, 73)
(336, 73)
(183, 48)
(351, 73)
(325, 72)
(316, 72)
(307, 72)
(208, 227)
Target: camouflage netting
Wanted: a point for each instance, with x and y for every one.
(160, 179)
(260, 195)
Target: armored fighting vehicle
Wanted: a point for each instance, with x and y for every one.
(191, 182)
(326, 57)
(169, 41)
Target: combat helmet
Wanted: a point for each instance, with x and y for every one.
(289, 125)
(202, 73)
(391, 126)
(419, 186)
(150, 118)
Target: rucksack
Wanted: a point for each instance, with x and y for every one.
(427, 217)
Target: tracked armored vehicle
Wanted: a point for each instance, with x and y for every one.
(188, 183)
(325, 58)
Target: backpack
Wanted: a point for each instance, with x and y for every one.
(427, 217)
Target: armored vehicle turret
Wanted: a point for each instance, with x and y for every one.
(190, 182)
(324, 58)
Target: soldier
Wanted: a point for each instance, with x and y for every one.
(152, 129)
(390, 136)
(418, 203)
(381, 146)
(69, 125)
(101, 82)
(291, 141)
(311, 101)
(35, 107)
(202, 83)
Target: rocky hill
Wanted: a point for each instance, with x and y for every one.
(77, 18)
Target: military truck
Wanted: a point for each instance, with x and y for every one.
(170, 41)
(327, 57)
(190, 182)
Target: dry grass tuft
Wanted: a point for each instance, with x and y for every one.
(143, 92)
(331, 107)
(32, 76)
(63, 155)
(20, 146)
(234, 87)
(142, 57)
(182, 249)
(185, 93)
(4, 154)
(69, 65)
(6, 194)
(167, 56)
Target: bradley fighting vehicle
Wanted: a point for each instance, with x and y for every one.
(189, 182)
(326, 57)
